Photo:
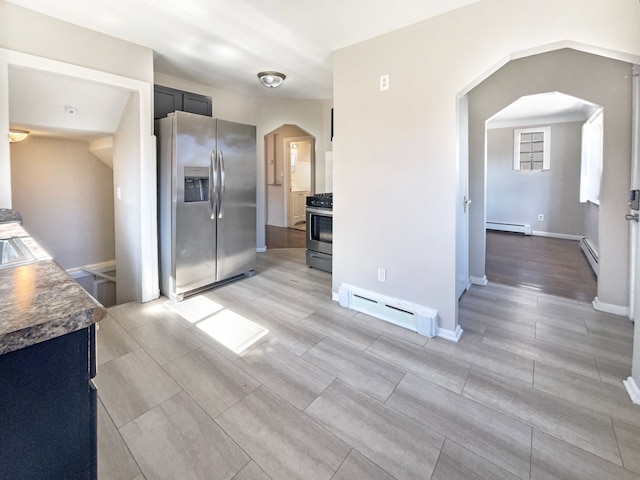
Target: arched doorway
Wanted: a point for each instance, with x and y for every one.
(561, 70)
(290, 158)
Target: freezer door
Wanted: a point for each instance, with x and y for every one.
(194, 245)
(237, 212)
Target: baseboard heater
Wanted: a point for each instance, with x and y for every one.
(408, 315)
(509, 227)
(590, 252)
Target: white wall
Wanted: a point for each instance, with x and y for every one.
(590, 77)
(26, 31)
(126, 150)
(519, 196)
(395, 164)
(65, 195)
(30, 40)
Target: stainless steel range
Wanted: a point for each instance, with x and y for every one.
(320, 231)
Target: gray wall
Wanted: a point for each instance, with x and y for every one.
(519, 196)
(65, 195)
(396, 170)
(597, 79)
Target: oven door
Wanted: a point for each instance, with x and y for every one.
(319, 229)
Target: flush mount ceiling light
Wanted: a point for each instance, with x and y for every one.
(17, 135)
(271, 79)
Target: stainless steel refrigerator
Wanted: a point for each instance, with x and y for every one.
(207, 202)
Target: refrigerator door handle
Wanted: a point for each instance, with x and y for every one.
(222, 184)
(213, 186)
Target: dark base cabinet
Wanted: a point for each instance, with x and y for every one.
(48, 410)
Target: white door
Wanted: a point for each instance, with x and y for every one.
(462, 199)
(299, 166)
(632, 383)
(634, 255)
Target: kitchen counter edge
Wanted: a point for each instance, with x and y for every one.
(40, 301)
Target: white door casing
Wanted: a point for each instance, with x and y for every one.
(463, 202)
(632, 384)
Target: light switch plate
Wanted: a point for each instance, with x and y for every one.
(384, 82)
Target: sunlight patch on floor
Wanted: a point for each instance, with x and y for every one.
(195, 309)
(223, 325)
(232, 330)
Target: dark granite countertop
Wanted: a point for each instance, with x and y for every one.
(40, 301)
(8, 215)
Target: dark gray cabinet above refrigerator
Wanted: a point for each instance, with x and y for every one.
(168, 100)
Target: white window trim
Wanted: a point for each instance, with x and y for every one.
(592, 153)
(546, 157)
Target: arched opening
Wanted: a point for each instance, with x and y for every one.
(290, 164)
(541, 196)
(599, 80)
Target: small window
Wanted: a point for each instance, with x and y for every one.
(531, 147)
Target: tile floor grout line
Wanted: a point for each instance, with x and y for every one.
(121, 437)
(531, 456)
(341, 463)
(577, 366)
(615, 435)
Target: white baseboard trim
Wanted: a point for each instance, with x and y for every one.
(563, 236)
(482, 281)
(632, 390)
(451, 335)
(261, 249)
(591, 253)
(335, 296)
(509, 227)
(610, 308)
(412, 316)
(81, 272)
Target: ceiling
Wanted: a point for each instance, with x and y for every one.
(55, 105)
(551, 107)
(226, 43)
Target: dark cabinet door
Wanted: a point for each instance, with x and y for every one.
(194, 103)
(48, 410)
(168, 100)
(165, 101)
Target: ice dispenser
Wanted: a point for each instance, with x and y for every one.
(196, 184)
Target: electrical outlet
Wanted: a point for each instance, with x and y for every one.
(118, 193)
(540, 217)
(384, 82)
(382, 275)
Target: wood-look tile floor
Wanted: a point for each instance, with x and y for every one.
(281, 237)
(549, 265)
(532, 391)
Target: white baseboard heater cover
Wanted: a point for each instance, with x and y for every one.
(591, 253)
(411, 316)
(509, 227)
